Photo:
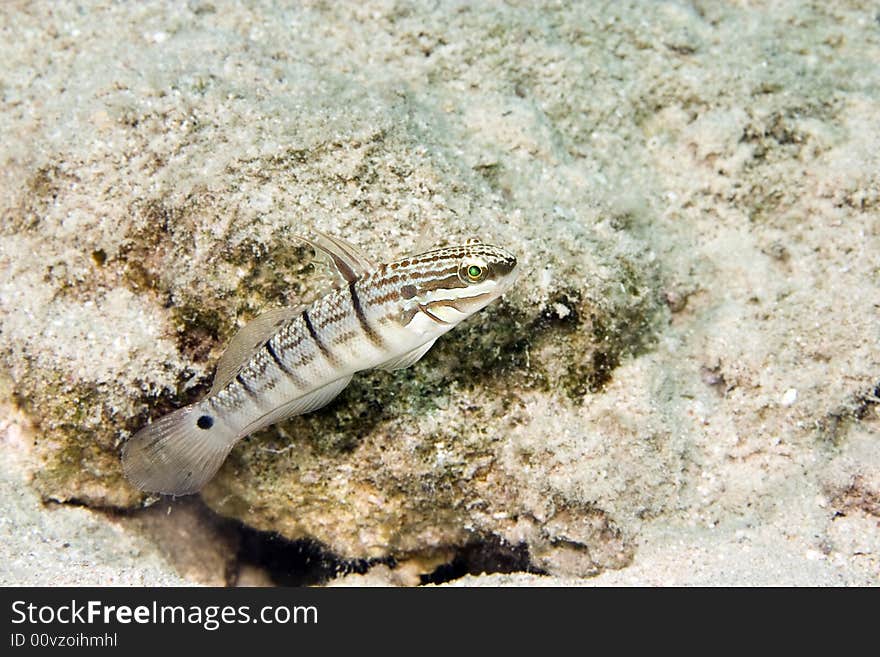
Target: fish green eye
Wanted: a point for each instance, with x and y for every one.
(472, 270)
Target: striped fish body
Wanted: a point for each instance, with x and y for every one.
(293, 361)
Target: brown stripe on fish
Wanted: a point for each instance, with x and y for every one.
(448, 283)
(389, 296)
(410, 277)
(432, 270)
(280, 363)
(326, 321)
(413, 262)
(370, 332)
(290, 374)
(289, 341)
(431, 275)
(314, 334)
(244, 384)
(347, 336)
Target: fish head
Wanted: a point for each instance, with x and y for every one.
(450, 284)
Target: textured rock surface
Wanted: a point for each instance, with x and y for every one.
(51, 544)
(65, 546)
(692, 190)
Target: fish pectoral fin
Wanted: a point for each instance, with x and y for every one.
(347, 259)
(250, 337)
(305, 404)
(315, 399)
(408, 358)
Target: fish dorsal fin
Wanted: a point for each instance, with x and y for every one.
(244, 344)
(348, 260)
(312, 401)
(408, 358)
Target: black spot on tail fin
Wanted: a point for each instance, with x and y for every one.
(178, 453)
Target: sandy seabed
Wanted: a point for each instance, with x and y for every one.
(683, 387)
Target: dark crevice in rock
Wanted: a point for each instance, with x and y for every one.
(297, 563)
(490, 555)
(287, 563)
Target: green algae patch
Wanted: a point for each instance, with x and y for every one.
(75, 440)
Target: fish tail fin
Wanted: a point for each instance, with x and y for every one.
(178, 453)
